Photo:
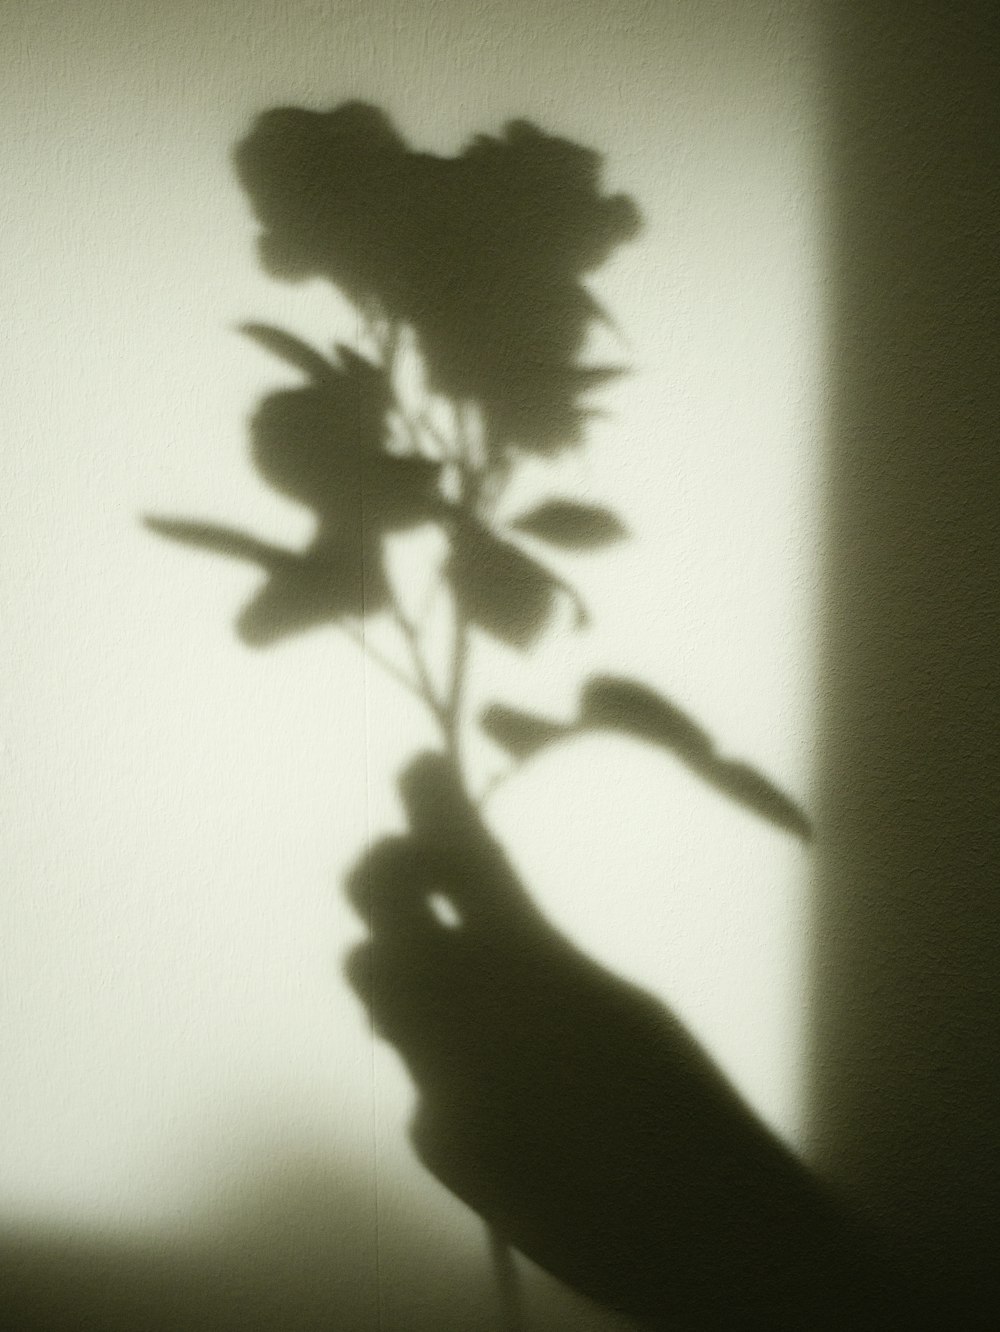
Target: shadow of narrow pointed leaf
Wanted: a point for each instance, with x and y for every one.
(293, 351)
(574, 526)
(755, 792)
(355, 365)
(521, 734)
(625, 705)
(610, 702)
(219, 540)
(592, 376)
(320, 587)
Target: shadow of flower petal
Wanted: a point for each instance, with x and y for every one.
(482, 255)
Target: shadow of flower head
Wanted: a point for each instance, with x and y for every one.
(482, 255)
(326, 189)
(475, 263)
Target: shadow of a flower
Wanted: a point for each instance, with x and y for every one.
(482, 254)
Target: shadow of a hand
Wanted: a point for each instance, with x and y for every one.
(573, 1113)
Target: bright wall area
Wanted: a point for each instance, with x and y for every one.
(183, 1063)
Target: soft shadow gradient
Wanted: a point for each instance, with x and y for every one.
(577, 1116)
(566, 1107)
(905, 1049)
(289, 1246)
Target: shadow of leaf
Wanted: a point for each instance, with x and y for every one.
(320, 585)
(574, 526)
(521, 734)
(323, 586)
(324, 444)
(501, 589)
(219, 540)
(293, 350)
(611, 702)
(625, 705)
(617, 704)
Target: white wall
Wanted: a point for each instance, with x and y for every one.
(176, 811)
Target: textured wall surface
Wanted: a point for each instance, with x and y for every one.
(904, 1041)
(191, 1086)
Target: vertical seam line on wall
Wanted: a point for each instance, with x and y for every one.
(368, 841)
